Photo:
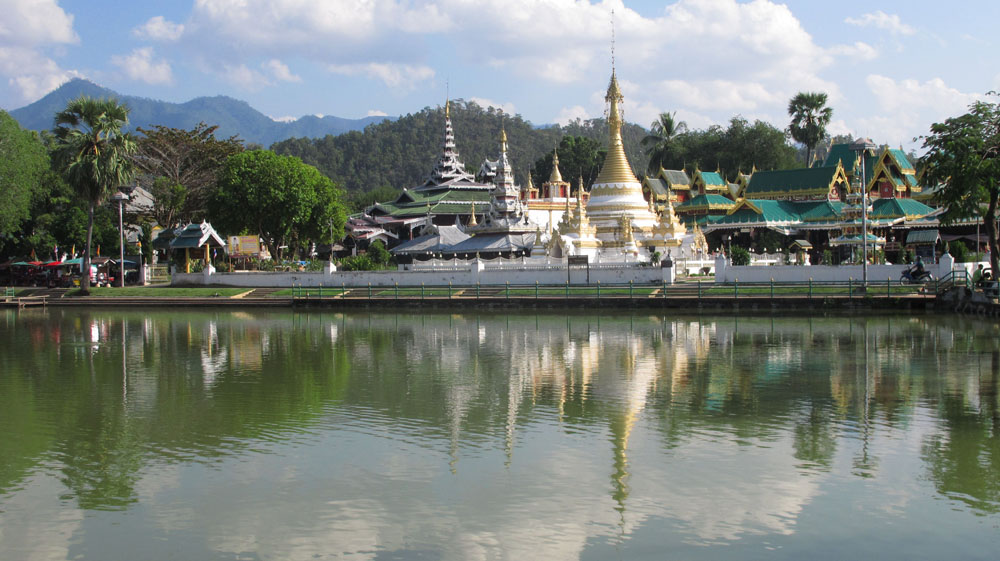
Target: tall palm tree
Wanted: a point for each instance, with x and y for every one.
(659, 143)
(810, 116)
(94, 155)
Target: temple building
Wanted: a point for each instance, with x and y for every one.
(506, 229)
(617, 221)
(449, 196)
(547, 207)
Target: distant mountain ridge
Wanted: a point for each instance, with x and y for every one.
(233, 116)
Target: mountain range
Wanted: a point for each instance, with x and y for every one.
(233, 116)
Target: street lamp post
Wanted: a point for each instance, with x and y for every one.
(861, 146)
(121, 198)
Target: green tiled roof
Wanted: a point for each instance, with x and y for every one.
(451, 201)
(922, 236)
(898, 208)
(802, 181)
(676, 177)
(783, 213)
(902, 160)
(657, 185)
(843, 153)
(713, 178)
(705, 202)
(819, 211)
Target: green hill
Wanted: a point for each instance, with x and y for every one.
(401, 153)
(233, 116)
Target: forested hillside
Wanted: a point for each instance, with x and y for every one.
(402, 153)
(233, 117)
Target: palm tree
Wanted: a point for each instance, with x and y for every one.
(810, 116)
(658, 144)
(94, 155)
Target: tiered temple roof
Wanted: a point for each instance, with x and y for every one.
(449, 171)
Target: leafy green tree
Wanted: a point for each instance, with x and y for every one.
(660, 142)
(744, 146)
(963, 157)
(169, 197)
(578, 157)
(94, 155)
(278, 198)
(360, 200)
(810, 116)
(189, 161)
(23, 161)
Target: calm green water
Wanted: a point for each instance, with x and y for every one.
(280, 436)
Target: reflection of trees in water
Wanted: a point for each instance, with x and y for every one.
(200, 385)
(964, 459)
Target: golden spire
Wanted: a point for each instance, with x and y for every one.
(472, 215)
(529, 185)
(616, 168)
(447, 109)
(556, 177)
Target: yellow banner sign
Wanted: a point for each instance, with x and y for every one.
(244, 246)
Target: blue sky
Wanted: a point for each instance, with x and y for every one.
(890, 68)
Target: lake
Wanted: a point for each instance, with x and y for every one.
(281, 435)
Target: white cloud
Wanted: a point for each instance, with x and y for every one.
(159, 29)
(393, 75)
(569, 114)
(280, 71)
(859, 50)
(35, 22)
(243, 76)
(140, 66)
(26, 29)
(286, 119)
(906, 108)
(910, 94)
(31, 73)
(313, 24)
(508, 107)
(882, 20)
(377, 113)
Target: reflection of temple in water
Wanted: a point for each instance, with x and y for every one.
(624, 417)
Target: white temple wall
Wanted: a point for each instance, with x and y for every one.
(466, 273)
(726, 273)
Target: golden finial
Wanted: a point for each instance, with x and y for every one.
(472, 215)
(555, 177)
(616, 168)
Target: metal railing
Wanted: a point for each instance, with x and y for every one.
(696, 291)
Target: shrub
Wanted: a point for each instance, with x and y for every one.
(378, 253)
(827, 258)
(358, 263)
(740, 257)
(959, 251)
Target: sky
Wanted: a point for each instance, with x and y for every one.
(890, 69)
